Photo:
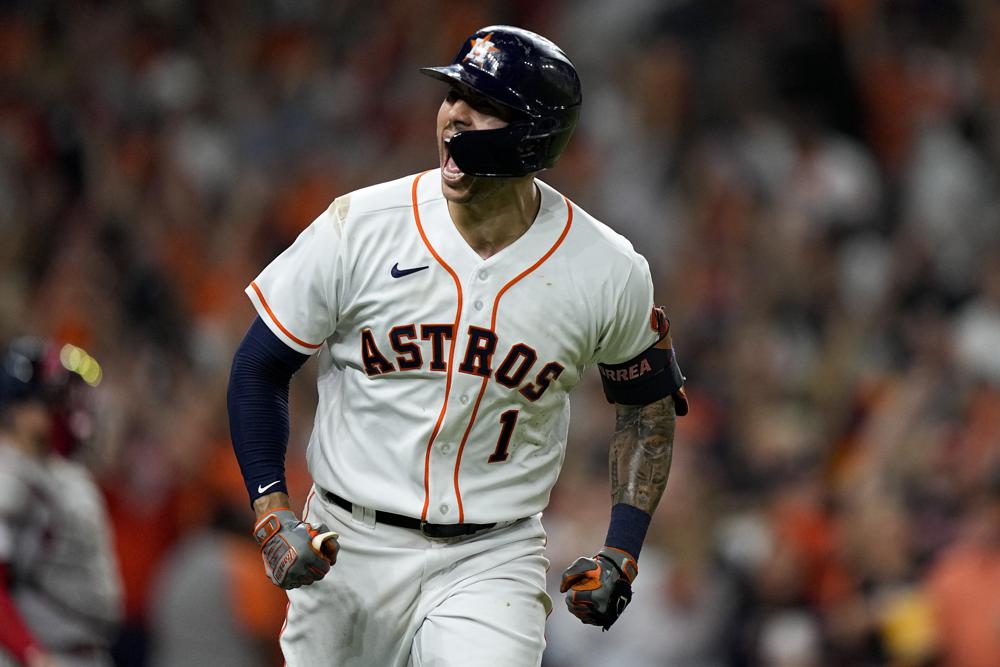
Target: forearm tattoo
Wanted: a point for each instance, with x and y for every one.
(641, 450)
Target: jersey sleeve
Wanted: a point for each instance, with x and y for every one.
(298, 295)
(629, 331)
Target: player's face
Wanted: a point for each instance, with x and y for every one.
(32, 423)
(459, 112)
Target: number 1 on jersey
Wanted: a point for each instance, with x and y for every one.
(507, 421)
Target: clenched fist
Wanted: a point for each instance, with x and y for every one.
(295, 554)
(600, 588)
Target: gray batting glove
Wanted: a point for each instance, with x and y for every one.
(599, 588)
(295, 554)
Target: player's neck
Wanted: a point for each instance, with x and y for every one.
(23, 443)
(492, 223)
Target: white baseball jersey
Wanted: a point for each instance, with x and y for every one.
(444, 377)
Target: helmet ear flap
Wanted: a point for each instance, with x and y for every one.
(545, 125)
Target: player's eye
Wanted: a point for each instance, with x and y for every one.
(490, 108)
(487, 107)
(482, 104)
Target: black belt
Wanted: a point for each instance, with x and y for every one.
(401, 521)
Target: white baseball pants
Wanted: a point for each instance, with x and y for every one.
(397, 598)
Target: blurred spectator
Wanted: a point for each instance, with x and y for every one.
(964, 587)
(211, 603)
(977, 326)
(60, 595)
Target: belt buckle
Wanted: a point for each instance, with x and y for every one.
(447, 531)
(442, 531)
(429, 529)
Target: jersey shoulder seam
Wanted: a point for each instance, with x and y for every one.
(381, 208)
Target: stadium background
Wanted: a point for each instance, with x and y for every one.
(814, 184)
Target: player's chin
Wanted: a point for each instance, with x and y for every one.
(458, 191)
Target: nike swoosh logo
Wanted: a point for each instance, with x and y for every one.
(262, 489)
(399, 273)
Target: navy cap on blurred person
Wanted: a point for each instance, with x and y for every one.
(34, 369)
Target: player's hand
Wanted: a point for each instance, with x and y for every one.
(295, 554)
(600, 588)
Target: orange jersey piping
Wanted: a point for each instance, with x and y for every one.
(274, 318)
(493, 324)
(451, 351)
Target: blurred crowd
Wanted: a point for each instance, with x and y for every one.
(814, 183)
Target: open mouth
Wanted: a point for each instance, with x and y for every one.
(449, 170)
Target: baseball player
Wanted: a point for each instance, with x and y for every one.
(452, 312)
(60, 595)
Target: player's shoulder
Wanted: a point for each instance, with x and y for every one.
(18, 476)
(374, 201)
(395, 194)
(76, 480)
(68, 470)
(595, 239)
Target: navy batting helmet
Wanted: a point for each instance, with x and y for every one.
(531, 76)
(33, 369)
(27, 369)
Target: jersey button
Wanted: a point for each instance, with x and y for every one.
(483, 275)
(463, 399)
(478, 305)
(443, 510)
(445, 448)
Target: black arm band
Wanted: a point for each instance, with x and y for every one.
(644, 379)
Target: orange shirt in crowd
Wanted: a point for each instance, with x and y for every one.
(965, 591)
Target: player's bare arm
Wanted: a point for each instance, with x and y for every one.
(642, 446)
(649, 395)
(641, 451)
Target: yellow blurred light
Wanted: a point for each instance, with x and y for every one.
(77, 360)
(85, 365)
(90, 371)
(71, 356)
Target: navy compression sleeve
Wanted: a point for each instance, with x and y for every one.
(258, 407)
